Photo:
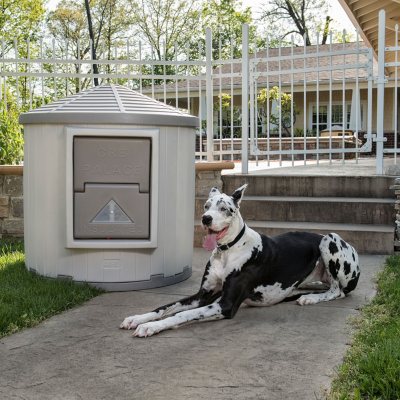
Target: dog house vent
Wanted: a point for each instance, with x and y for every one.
(109, 189)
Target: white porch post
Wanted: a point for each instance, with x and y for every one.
(245, 98)
(381, 93)
(209, 96)
(355, 112)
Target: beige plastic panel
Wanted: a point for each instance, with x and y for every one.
(111, 211)
(112, 160)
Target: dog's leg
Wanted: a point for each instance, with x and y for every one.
(205, 313)
(226, 307)
(202, 297)
(333, 293)
(341, 267)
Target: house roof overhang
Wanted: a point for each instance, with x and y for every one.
(364, 14)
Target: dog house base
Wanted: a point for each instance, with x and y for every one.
(155, 281)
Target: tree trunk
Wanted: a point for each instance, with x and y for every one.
(91, 35)
(326, 29)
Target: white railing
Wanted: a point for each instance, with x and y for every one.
(315, 102)
(284, 104)
(388, 77)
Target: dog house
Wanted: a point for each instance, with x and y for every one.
(109, 189)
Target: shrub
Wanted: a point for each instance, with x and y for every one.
(11, 135)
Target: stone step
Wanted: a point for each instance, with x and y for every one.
(311, 186)
(319, 209)
(366, 239)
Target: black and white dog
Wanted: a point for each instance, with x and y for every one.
(249, 267)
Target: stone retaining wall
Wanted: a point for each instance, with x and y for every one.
(396, 188)
(11, 193)
(11, 202)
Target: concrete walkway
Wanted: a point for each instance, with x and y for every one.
(280, 352)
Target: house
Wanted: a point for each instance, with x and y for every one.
(331, 85)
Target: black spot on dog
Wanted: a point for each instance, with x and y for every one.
(346, 267)
(256, 296)
(334, 267)
(333, 248)
(343, 243)
(231, 209)
(228, 213)
(351, 285)
(354, 257)
(210, 307)
(354, 274)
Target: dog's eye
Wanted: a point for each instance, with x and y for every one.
(206, 206)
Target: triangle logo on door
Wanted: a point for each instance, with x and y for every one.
(111, 213)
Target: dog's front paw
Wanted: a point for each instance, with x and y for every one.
(147, 329)
(131, 322)
(135, 320)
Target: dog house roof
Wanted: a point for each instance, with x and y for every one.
(109, 104)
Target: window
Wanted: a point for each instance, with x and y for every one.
(320, 120)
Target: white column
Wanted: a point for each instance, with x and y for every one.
(355, 112)
(245, 98)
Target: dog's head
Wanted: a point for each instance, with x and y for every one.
(221, 213)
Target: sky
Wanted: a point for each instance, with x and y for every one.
(341, 20)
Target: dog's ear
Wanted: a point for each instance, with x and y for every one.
(237, 195)
(213, 192)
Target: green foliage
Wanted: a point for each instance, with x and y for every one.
(26, 299)
(226, 18)
(229, 116)
(167, 26)
(20, 20)
(371, 369)
(11, 136)
(286, 110)
(68, 25)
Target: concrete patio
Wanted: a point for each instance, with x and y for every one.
(280, 352)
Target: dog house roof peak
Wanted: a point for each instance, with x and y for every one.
(109, 104)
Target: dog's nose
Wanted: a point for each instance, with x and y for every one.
(206, 220)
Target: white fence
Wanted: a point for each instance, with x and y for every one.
(296, 104)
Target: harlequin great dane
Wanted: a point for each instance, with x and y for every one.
(249, 267)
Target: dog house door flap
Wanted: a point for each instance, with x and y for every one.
(111, 187)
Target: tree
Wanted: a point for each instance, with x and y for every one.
(92, 39)
(298, 17)
(285, 113)
(166, 25)
(229, 116)
(11, 137)
(226, 18)
(20, 20)
(69, 23)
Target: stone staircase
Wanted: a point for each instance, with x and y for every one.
(358, 208)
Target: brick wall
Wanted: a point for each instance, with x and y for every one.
(11, 202)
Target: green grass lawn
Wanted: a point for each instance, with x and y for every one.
(26, 298)
(371, 369)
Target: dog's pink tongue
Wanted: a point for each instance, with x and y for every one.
(210, 242)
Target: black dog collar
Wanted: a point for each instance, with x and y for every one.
(224, 247)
